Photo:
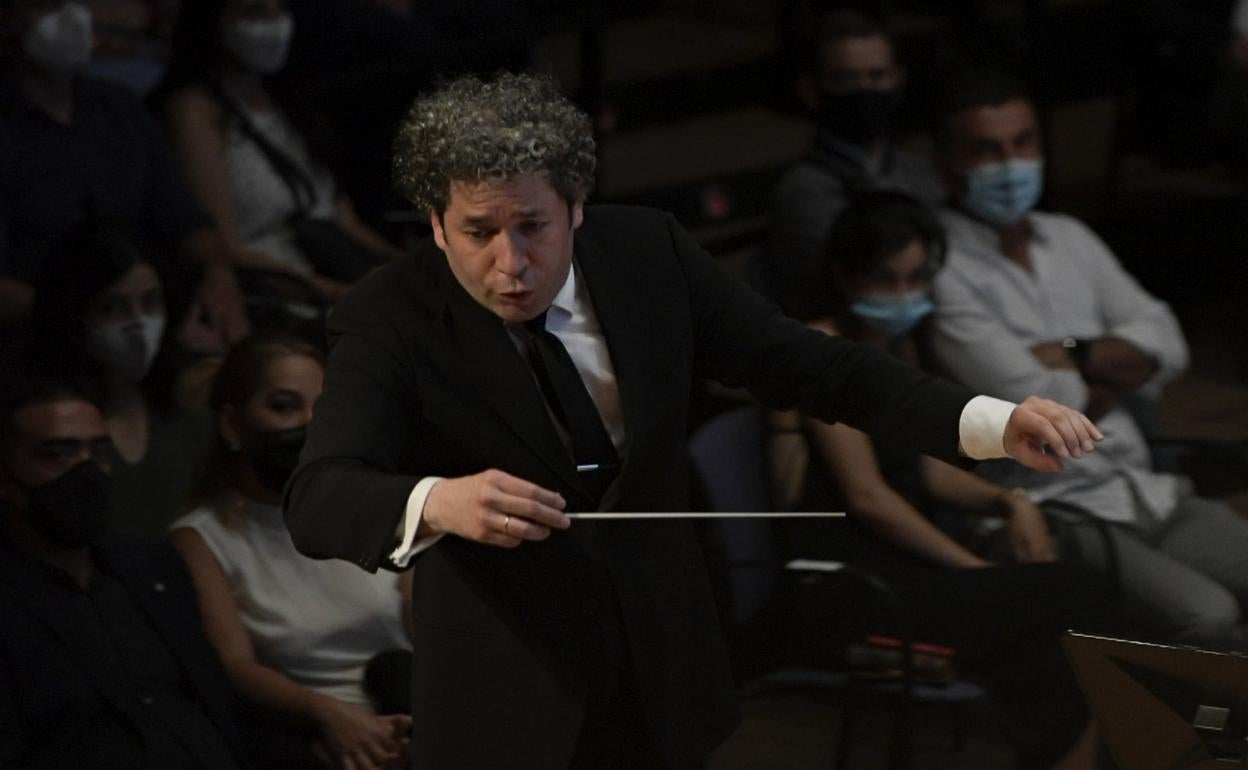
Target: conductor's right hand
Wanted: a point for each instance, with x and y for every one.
(495, 508)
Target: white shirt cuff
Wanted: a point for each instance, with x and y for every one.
(409, 546)
(981, 429)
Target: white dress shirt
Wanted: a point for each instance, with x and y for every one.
(990, 312)
(572, 319)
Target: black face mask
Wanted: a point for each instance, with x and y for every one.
(860, 116)
(276, 455)
(72, 509)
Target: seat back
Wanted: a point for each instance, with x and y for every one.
(728, 456)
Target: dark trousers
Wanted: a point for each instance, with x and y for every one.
(1004, 622)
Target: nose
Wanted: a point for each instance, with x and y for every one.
(512, 256)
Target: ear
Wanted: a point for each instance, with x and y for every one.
(229, 426)
(578, 213)
(439, 234)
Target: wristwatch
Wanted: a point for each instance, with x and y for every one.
(1078, 349)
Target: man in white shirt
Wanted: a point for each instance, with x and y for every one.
(535, 358)
(1033, 302)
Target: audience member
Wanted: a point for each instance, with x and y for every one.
(104, 318)
(244, 159)
(102, 658)
(855, 88)
(295, 634)
(1003, 620)
(1035, 302)
(71, 148)
(131, 41)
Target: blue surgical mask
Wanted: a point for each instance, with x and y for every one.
(1003, 193)
(893, 314)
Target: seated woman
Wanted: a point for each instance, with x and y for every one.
(1003, 621)
(101, 317)
(243, 158)
(296, 635)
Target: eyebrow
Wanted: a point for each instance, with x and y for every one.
(487, 219)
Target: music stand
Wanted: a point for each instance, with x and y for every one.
(1162, 707)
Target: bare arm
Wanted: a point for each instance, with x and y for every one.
(851, 457)
(195, 123)
(1118, 364)
(1029, 534)
(351, 732)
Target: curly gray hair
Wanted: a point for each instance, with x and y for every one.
(476, 130)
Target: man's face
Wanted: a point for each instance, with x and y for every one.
(858, 64)
(49, 439)
(509, 243)
(990, 134)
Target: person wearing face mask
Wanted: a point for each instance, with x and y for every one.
(104, 318)
(1032, 301)
(245, 160)
(882, 254)
(296, 634)
(73, 149)
(855, 91)
(102, 659)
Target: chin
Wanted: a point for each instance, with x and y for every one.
(515, 313)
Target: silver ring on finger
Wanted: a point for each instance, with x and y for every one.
(506, 521)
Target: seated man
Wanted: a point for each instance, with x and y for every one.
(103, 663)
(1033, 302)
(855, 88)
(72, 149)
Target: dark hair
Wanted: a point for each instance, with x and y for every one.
(32, 390)
(241, 372)
(236, 378)
(836, 26)
(487, 130)
(88, 260)
(972, 89)
(873, 227)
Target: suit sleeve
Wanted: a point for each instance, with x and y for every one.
(346, 498)
(743, 341)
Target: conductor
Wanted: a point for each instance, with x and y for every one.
(535, 357)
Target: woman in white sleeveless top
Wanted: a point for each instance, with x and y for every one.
(295, 634)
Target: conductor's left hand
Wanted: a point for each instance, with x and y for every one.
(1041, 433)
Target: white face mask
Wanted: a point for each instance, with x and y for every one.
(61, 40)
(127, 348)
(260, 46)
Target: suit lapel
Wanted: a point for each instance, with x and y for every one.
(620, 305)
(481, 349)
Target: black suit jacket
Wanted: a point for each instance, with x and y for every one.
(423, 381)
(62, 707)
